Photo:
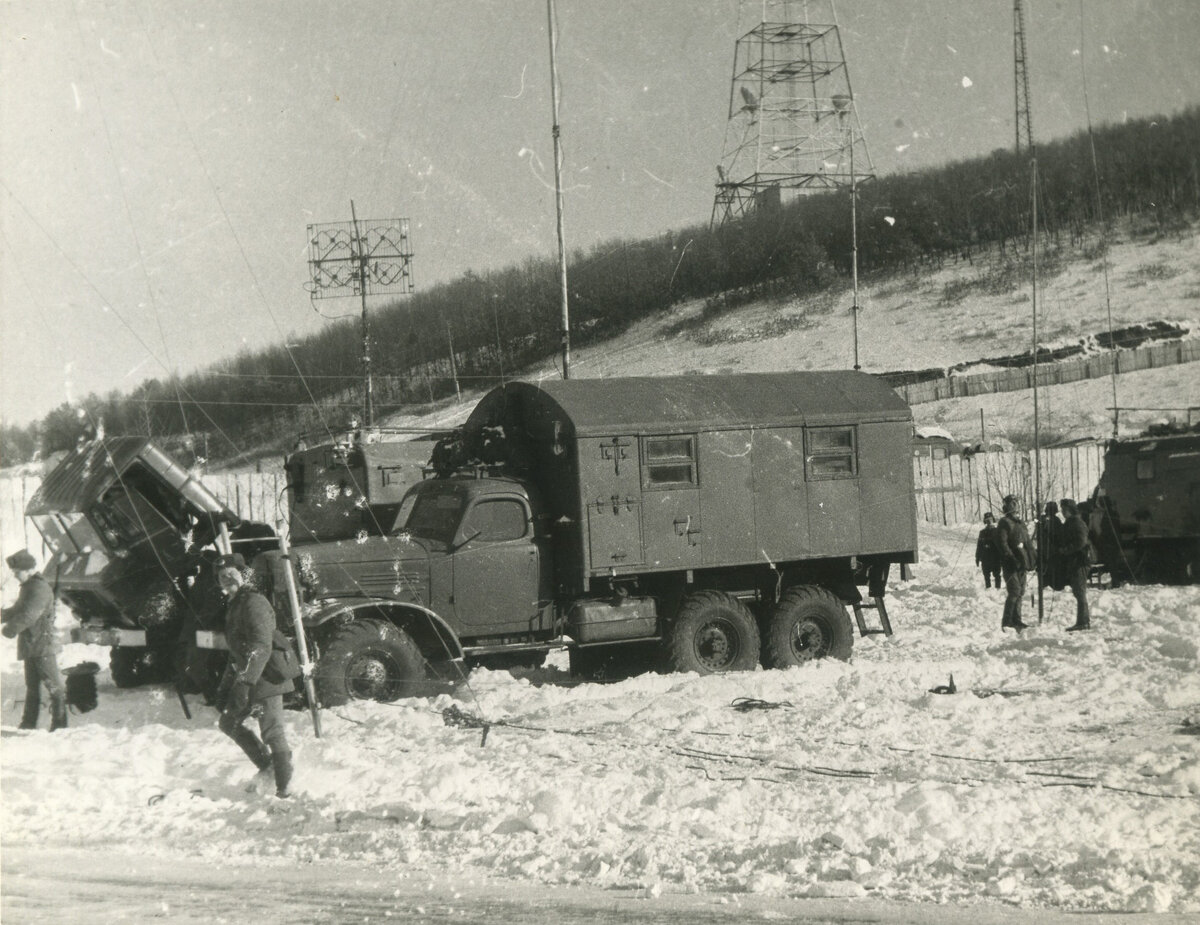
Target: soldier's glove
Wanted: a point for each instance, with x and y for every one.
(238, 700)
(9, 631)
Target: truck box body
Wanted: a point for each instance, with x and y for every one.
(649, 474)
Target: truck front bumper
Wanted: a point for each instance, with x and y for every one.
(106, 636)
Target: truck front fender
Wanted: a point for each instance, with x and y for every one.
(436, 640)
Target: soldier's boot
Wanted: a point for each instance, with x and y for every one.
(282, 763)
(29, 716)
(58, 713)
(253, 746)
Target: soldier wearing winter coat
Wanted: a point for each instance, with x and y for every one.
(1047, 538)
(244, 691)
(1074, 548)
(987, 551)
(31, 621)
(1016, 559)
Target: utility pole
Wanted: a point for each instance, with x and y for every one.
(360, 258)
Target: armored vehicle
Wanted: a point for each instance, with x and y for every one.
(711, 522)
(1145, 514)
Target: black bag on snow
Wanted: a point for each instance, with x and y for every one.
(81, 686)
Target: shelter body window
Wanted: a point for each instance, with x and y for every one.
(832, 453)
(669, 462)
(1145, 469)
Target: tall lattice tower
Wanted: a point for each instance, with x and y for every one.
(1021, 76)
(792, 127)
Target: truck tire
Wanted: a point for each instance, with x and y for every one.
(713, 632)
(132, 666)
(368, 660)
(808, 623)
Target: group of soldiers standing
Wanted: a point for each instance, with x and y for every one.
(1060, 554)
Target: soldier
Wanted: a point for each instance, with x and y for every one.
(31, 620)
(243, 692)
(1048, 540)
(987, 552)
(1075, 548)
(1016, 559)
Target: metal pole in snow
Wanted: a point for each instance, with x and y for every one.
(289, 579)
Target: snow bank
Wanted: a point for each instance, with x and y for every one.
(1059, 774)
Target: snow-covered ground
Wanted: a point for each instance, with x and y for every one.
(1064, 772)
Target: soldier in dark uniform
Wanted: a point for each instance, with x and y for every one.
(987, 552)
(1074, 548)
(250, 632)
(1016, 559)
(1048, 540)
(31, 620)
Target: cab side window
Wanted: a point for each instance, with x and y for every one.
(501, 519)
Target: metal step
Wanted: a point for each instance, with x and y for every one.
(876, 604)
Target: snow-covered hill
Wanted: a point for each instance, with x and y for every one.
(1064, 772)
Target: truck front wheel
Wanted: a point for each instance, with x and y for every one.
(808, 623)
(713, 632)
(368, 660)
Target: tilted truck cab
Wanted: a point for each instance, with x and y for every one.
(132, 534)
(715, 519)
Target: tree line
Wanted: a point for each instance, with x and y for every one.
(482, 328)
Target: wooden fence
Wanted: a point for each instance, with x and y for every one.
(1150, 356)
(961, 489)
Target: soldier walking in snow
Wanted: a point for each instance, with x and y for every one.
(244, 691)
(1075, 547)
(1016, 559)
(987, 551)
(31, 620)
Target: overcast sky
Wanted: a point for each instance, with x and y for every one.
(160, 161)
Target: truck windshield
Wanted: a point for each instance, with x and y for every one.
(434, 513)
(67, 533)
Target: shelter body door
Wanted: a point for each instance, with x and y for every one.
(611, 484)
(671, 526)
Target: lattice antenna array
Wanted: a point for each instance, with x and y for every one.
(1021, 77)
(361, 257)
(792, 127)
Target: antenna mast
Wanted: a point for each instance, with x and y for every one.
(552, 19)
(1021, 77)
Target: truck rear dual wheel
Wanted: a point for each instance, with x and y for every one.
(714, 632)
(369, 660)
(808, 623)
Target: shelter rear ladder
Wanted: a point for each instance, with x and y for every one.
(876, 604)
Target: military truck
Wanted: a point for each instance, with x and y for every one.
(132, 535)
(1145, 515)
(712, 521)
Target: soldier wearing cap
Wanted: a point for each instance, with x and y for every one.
(244, 692)
(31, 620)
(1016, 559)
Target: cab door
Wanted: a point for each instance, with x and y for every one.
(497, 568)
